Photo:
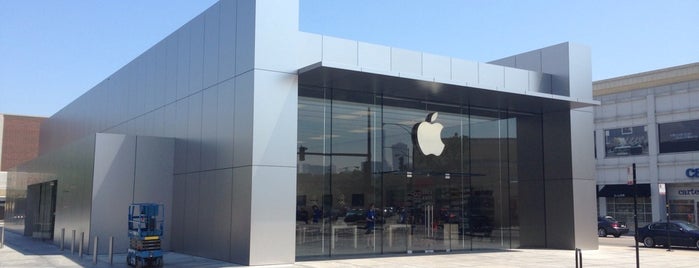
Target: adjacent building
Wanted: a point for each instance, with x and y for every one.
(650, 119)
(268, 145)
(19, 142)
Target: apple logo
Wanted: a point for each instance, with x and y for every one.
(427, 135)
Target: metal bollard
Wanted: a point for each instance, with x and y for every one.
(111, 249)
(63, 238)
(578, 261)
(94, 250)
(72, 244)
(80, 248)
(2, 236)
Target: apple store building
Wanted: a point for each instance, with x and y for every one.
(266, 151)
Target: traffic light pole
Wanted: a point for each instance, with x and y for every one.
(635, 212)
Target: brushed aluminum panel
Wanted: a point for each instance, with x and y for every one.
(338, 50)
(183, 61)
(113, 187)
(555, 60)
(516, 80)
(181, 115)
(406, 62)
(214, 219)
(191, 235)
(241, 207)
(245, 36)
(227, 40)
(464, 72)
(211, 45)
(274, 218)
(491, 76)
(243, 120)
(225, 126)
(194, 131)
(437, 67)
(177, 243)
(209, 117)
(375, 57)
(276, 21)
(171, 59)
(275, 119)
(311, 48)
(196, 50)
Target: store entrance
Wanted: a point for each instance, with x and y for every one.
(425, 212)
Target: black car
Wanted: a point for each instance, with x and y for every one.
(609, 226)
(681, 233)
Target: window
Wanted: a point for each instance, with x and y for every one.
(679, 136)
(626, 141)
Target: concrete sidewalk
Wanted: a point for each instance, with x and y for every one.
(20, 251)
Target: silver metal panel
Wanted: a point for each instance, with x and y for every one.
(149, 90)
(555, 60)
(509, 61)
(227, 39)
(529, 61)
(538, 82)
(580, 71)
(113, 187)
(153, 179)
(436, 66)
(192, 240)
(241, 206)
(275, 119)
(140, 85)
(196, 50)
(516, 80)
(177, 242)
(183, 61)
(406, 61)
(159, 73)
(374, 57)
(276, 21)
(194, 129)
(170, 120)
(209, 146)
(225, 126)
(464, 72)
(341, 51)
(490, 75)
(311, 48)
(171, 59)
(274, 220)
(243, 123)
(211, 45)
(180, 132)
(584, 182)
(245, 36)
(215, 218)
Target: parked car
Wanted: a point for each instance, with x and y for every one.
(607, 225)
(681, 233)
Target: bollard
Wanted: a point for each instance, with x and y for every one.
(63, 238)
(578, 258)
(111, 249)
(2, 236)
(80, 248)
(72, 244)
(94, 250)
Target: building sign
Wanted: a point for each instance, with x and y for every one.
(682, 192)
(692, 172)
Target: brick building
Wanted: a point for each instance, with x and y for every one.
(19, 142)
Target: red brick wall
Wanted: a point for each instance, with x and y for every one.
(20, 140)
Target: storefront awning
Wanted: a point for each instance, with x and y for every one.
(623, 190)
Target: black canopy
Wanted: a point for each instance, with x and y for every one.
(623, 190)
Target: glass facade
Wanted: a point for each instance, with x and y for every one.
(364, 187)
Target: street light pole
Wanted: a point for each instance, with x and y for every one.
(635, 211)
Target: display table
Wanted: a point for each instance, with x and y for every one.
(391, 227)
(334, 228)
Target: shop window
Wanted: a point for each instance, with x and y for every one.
(621, 208)
(626, 141)
(679, 136)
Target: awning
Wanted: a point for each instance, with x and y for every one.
(624, 190)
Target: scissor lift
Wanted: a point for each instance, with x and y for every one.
(145, 233)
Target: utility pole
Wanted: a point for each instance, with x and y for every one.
(635, 210)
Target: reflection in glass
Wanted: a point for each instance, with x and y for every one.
(626, 141)
(358, 162)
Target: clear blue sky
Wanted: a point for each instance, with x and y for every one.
(51, 52)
